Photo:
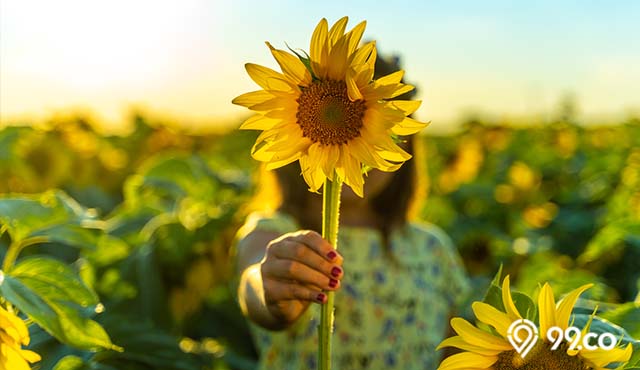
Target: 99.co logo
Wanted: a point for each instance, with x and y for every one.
(573, 335)
(555, 335)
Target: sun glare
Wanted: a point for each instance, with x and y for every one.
(93, 52)
(88, 43)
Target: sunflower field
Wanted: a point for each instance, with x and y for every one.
(117, 249)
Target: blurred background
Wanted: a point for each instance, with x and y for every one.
(123, 110)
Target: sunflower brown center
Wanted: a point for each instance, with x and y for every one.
(541, 357)
(327, 115)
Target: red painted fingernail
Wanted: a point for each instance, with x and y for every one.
(321, 297)
(333, 283)
(336, 271)
(331, 255)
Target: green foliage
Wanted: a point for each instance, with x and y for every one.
(52, 215)
(523, 302)
(54, 310)
(117, 248)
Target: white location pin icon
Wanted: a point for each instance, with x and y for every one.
(514, 335)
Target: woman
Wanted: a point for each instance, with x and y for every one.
(396, 281)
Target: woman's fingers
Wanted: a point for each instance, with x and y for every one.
(295, 251)
(282, 291)
(296, 268)
(314, 241)
(291, 270)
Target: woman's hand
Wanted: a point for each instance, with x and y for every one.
(295, 269)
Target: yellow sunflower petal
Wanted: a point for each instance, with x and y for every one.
(10, 335)
(13, 324)
(365, 154)
(352, 86)
(315, 154)
(340, 164)
(385, 146)
(376, 120)
(372, 134)
(279, 103)
(8, 339)
(326, 155)
(354, 179)
(337, 67)
(547, 309)
(375, 91)
(337, 30)
(252, 98)
(261, 148)
(14, 360)
(318, 48)
(355, 35)
(291, 66)
(267, 78)
(400, 89)
(395, 155)
(492, 316)
(602, 358)
(282, 156)
(477, 337)
(365, 73)
(269, 135)
(565, 306)
(312, 174)
(389, 112)
(281, 160)
(458, 342)
(408, 126)
(371, 60)
(289, 137)
(318, 40)
(507, 301)
(363, 54)
(288, 115)
(467, 360)
(407, 106)
(391, 79)
(259, 122)
(30, 356)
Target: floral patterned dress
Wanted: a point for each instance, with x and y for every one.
(387, 316)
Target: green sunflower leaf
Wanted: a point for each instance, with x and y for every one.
(525, 305)
(627, 316)
(72, 362)
(52, 216)
(493, 296)
(54, 280)
(54, 297)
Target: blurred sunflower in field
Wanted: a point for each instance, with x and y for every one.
(541, 215)
(326, 111)
(566, 142)
(484, 350)
(464, 165)
(13, 335)
(523, 177)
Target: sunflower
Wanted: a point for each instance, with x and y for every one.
(484, 350)
(326, 111)
(14, 334)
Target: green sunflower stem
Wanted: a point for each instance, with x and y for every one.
(330, 224)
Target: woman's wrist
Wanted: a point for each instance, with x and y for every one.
(252, 302)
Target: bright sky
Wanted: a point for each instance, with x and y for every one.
(185, 58)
